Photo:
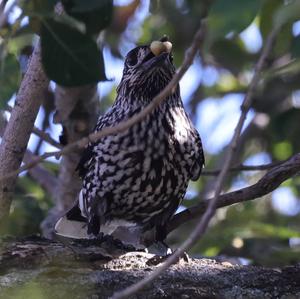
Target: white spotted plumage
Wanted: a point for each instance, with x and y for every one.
(140, 175)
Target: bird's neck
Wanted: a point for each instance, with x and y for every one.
(141, 99)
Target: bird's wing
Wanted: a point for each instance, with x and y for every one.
(98, 167)
(199, 157)
(106, 120)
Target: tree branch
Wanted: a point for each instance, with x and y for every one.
(43, 135)
(268, 183)
(211, 208)
(46, 137)
(3, 16)
(33, 265)
(42, 176)
(19, 127)
(243, 168)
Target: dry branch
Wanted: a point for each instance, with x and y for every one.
(43, 135)
(46, 137)
(19, 127)
(268, 183)
(243, 168)
(42, 176)
(41, 268)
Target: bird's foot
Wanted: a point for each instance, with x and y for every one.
(108, 241)
(158, 259)
(185, 257)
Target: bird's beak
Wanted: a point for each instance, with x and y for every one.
(151, 61)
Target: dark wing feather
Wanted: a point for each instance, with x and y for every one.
(88, 153)
(85, 157)
(75, 214)
(199, 158)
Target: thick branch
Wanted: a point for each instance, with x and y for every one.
(43, 135)
(19, 127)
(52, 270)
(268, 183)
(42, 176)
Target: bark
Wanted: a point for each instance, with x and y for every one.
(39, 268)
(19, 127)
(40, 174)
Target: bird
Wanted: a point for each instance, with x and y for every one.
(138, 177)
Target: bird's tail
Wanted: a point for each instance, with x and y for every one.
(72, 224)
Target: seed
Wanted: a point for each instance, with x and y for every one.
(168, 47)
(157, 47)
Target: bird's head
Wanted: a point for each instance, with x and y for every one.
(147, 70)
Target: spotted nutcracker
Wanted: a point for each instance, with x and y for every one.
(137, 178)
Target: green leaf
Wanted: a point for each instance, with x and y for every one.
(70, 21)
(9, 78)
(69, 57)
(282, 150)
(273, 13)
(271, 230)
(283, 40)
(231, 55)
(35, 9)
(231, 17)
(287, 13)
(270, 12)
(290, 68)
(95, 14)
(266, 16)
(295, 49)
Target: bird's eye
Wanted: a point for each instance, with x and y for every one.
(131, 60)
(133, 56)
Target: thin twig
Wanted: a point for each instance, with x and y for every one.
(210, 211)
(43, 135)
(3, 16)
(123, 126)
(46, 137)
(243, 168)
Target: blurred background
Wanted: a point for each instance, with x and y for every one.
(265, 231)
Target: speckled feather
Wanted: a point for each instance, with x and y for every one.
(141, 175)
